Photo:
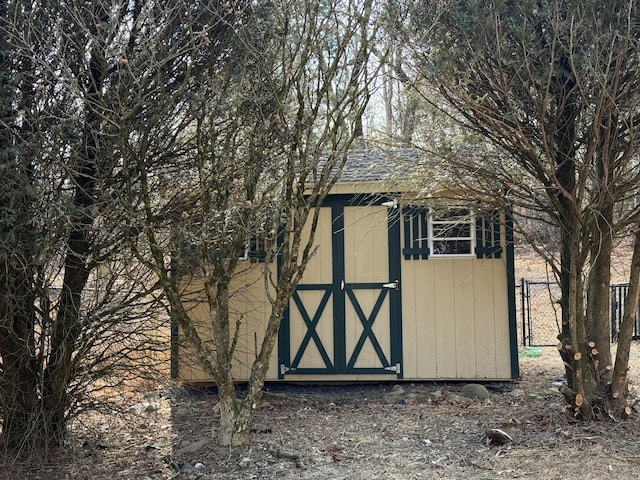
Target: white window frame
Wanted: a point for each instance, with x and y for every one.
(247, 250)
(436, 218)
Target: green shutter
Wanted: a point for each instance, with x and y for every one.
(416, 242)
(488, 235)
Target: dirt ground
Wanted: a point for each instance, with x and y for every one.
(373, 431)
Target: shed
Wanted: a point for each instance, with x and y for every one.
(399, 288)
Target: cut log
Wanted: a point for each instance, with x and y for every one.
(496, 436)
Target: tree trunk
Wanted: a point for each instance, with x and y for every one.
(619, 385)
(236, 417)
(598, 295)
(32, 425)
(27, 420)
(573, 348)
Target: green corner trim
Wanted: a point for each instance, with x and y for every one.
(511, 295)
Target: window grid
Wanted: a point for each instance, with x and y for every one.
(452, 233)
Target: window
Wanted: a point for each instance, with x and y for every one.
(451, 232)
(255, 250)
(442, 231)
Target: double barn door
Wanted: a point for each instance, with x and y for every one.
(345, 316)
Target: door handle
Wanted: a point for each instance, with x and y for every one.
(393, 285)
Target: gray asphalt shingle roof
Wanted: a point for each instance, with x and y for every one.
(371, 165)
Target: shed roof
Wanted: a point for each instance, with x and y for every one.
(372, 165)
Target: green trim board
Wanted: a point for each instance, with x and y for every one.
(395, 272)
(344, 296)
(337, 250)
(416, 233)
(311, 333)
(511, 295)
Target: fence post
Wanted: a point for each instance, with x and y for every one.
(522, 312)
(614, 310)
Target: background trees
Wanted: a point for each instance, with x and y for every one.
(144, 133)
(553, 87)
(258, 144)
(76, 314)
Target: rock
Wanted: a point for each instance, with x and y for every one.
(517, 392)
(144, 407)
(475, 390)
(436, 395)
(397, 390)
(391, 398)
(152, 396)
(452, 398)
(543, 392)
(181, 411)
(192, 447)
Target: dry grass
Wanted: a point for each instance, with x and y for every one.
(355, 432)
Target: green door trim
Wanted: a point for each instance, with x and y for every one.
(339, 292)
(367, 327)
(311, 334)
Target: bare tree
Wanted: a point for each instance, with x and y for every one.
(553, 85)
(261, 142)
(76, 314)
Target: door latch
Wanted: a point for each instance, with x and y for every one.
(393, 285)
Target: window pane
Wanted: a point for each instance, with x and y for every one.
(453, 215)
(459, 230)
(451, 247)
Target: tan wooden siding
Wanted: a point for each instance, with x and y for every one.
(455, 319)
(319, 271)
(248, 305)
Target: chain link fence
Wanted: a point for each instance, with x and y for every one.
(541, 318)
(539, 312)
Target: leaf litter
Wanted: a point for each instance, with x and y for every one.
(357, 431)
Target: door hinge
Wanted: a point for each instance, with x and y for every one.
(284, 369)
(394, 368)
